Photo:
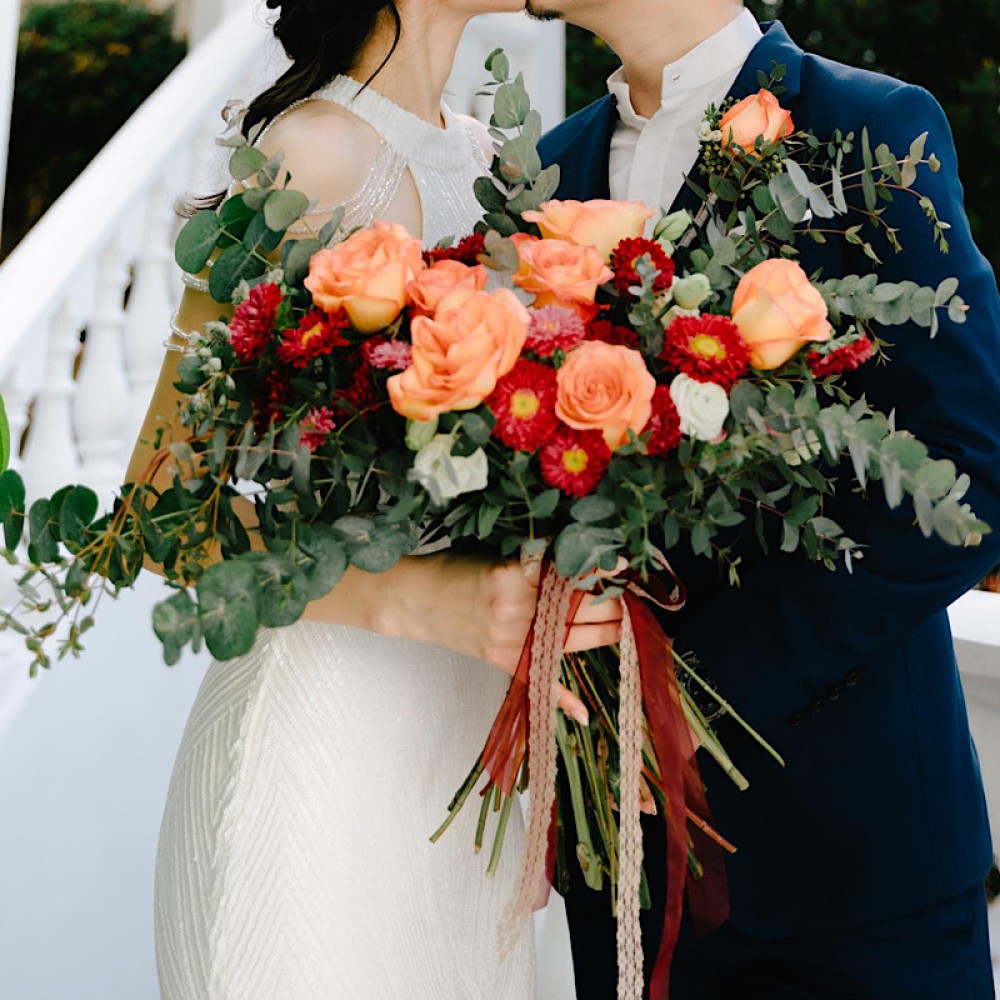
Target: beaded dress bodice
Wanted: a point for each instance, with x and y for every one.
(443, 162)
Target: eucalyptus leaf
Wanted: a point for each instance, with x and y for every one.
(196, 241)
(283, 208)
(235, 264)
(175, 622)
(229, 606)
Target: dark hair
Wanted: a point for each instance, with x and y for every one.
(322, 38)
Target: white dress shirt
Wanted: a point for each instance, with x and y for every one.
(650, 156)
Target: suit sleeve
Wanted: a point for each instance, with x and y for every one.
(818, 626)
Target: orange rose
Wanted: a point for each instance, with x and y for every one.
(598, 223)
(560, 273)
(757, 116)
(367, 275)
(429, 287)
(460, 353)
(777, 311)
(607, 388)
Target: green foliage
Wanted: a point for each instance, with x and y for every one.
(83, 67)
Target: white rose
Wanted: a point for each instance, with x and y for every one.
(420, 433)
(702, 407)
(446, 476)
(672, 227)
(689, 292)
(675, 312)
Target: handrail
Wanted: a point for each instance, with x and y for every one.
(37, 276)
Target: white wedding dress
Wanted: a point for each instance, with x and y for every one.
(294, 860)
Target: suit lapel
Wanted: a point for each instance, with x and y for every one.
(776, 47)
(584, 157)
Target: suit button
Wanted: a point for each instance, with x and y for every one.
(795, 719)
(853, 677)
(835, 692)
(816, 705)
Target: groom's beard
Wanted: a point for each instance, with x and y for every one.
(541, 14)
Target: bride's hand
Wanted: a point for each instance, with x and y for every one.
(484, 609)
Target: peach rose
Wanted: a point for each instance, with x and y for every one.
(367, 275)
(607, 388)
(756, 116)
(560, 273)
(430, 286)
(460, 353)
(598, 223)
(777, 311)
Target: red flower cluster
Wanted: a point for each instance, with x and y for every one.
(842, 360)
(273, 396)
(554, 328)
(623, 264)
(574, 461)
(620, 336)
(706, 348)
(664, 427)
(387, 355)
(317, 334)
(524, 404)
(252, 322)
(466, 251)
(316, 427)
(360, 392)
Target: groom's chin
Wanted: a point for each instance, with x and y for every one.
(542, 13)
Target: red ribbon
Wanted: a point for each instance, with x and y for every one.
(683, 790)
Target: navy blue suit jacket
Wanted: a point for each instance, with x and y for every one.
(880, 809)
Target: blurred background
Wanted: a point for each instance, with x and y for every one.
(112, 107)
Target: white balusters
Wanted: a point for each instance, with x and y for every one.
(50, 456)
(151, 302)
(101, 408)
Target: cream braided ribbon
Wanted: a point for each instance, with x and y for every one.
(630, 729)
(543, 679)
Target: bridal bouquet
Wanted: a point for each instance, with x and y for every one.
(611, 395)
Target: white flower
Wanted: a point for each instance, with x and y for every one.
(689, 292)
(702, 407)
(446, 476)
(675, 312)
(420, 433)
(705, 130)
(672, 227)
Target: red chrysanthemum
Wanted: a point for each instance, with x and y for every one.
(252, 322)
(317, 334)
(664, 427)
(316, 427)
(623, 264)
(574, 461)
(466, 251)
(524, 404)
(706, 348)
(384, 354)
(359, 395)
(554, 328)
(274, 392)
(611, 333)
(842, 360)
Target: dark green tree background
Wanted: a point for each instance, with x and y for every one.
(951, 47)
(83, 67)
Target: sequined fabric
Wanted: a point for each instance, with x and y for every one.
(294, 860)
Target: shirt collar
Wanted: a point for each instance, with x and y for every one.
(720, 56)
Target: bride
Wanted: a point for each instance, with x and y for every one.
(294, 861)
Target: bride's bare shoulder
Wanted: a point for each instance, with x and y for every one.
(327, 151)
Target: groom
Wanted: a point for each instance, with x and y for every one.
(859, 874)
